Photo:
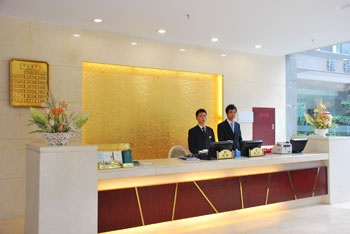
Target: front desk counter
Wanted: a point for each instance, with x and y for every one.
(62, 196)
(161, 190)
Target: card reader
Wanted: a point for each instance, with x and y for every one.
(282, 148)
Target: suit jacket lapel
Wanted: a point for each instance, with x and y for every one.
(228, 126)
(201, 131)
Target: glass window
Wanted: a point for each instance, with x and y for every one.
(315, 81)
(345, 48)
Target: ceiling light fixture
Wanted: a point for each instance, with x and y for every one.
(76, 35)
(258, 46)
(161, 31)
(133, 43)
(223, 55)
(182, 50)
(214, 39)
(97, 20)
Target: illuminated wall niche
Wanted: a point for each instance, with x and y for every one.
(152, 109)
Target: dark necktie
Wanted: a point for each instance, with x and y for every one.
(203, 130)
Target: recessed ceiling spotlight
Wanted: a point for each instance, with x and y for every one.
(133, 43)
(97, 20)
(214, 39)
(182, 50)
(258, 46)
(223, 55)
(76, 35)
(161, 31)
(345, 59)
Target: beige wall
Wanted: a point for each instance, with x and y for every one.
(249, 80)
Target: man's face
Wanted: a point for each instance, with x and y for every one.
(201, 118)
(231, 115)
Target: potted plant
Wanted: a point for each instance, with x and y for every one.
(321, 119)
(55, 122)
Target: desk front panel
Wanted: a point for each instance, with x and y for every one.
(143, 205)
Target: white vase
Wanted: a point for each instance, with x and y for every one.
(321, 132)
(58, 138)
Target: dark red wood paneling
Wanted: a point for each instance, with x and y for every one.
(280, 189)
(157, 202)
(322, 182)
(190, 202)
(223, 193)
(254, 190)
(118, 209)
(303, 181)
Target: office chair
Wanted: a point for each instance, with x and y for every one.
(177, 151)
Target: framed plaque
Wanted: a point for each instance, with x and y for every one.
(29, 82)
(256, 152)
(224, 154)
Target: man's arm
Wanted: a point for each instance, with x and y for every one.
(221, 135)
(213, 138)
(239, 137)
(192, 142)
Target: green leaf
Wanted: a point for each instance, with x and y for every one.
(309, 119)
(39, 118)
(81, 119)
(38, 115)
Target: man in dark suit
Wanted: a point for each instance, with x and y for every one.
(229, 129)
(200, 136)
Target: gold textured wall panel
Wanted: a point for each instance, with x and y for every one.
(152, 109)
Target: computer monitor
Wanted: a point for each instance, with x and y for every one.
(298, 144)
(217, 147)
(247, 145)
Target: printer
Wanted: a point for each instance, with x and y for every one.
(282, 148)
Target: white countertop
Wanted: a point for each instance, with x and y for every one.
(56, 149)
(168, 166)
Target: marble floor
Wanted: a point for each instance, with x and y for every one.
(313, 219)
(310, 219)
(306, 220)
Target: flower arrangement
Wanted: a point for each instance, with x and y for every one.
(55, 118)
(321, 118)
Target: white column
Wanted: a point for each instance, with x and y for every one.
(61, 190)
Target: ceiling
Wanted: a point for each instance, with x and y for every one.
(280, 26)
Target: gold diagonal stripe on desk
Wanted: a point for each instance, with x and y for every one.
(241, 192)
(175, 198)
(268, 190)
(315, 183)
(206, 198)
(139, 204)
(292, 185)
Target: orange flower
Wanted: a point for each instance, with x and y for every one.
(60, 128)
(57, 111)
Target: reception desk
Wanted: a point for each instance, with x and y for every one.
(66, 193)
(171, 189)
